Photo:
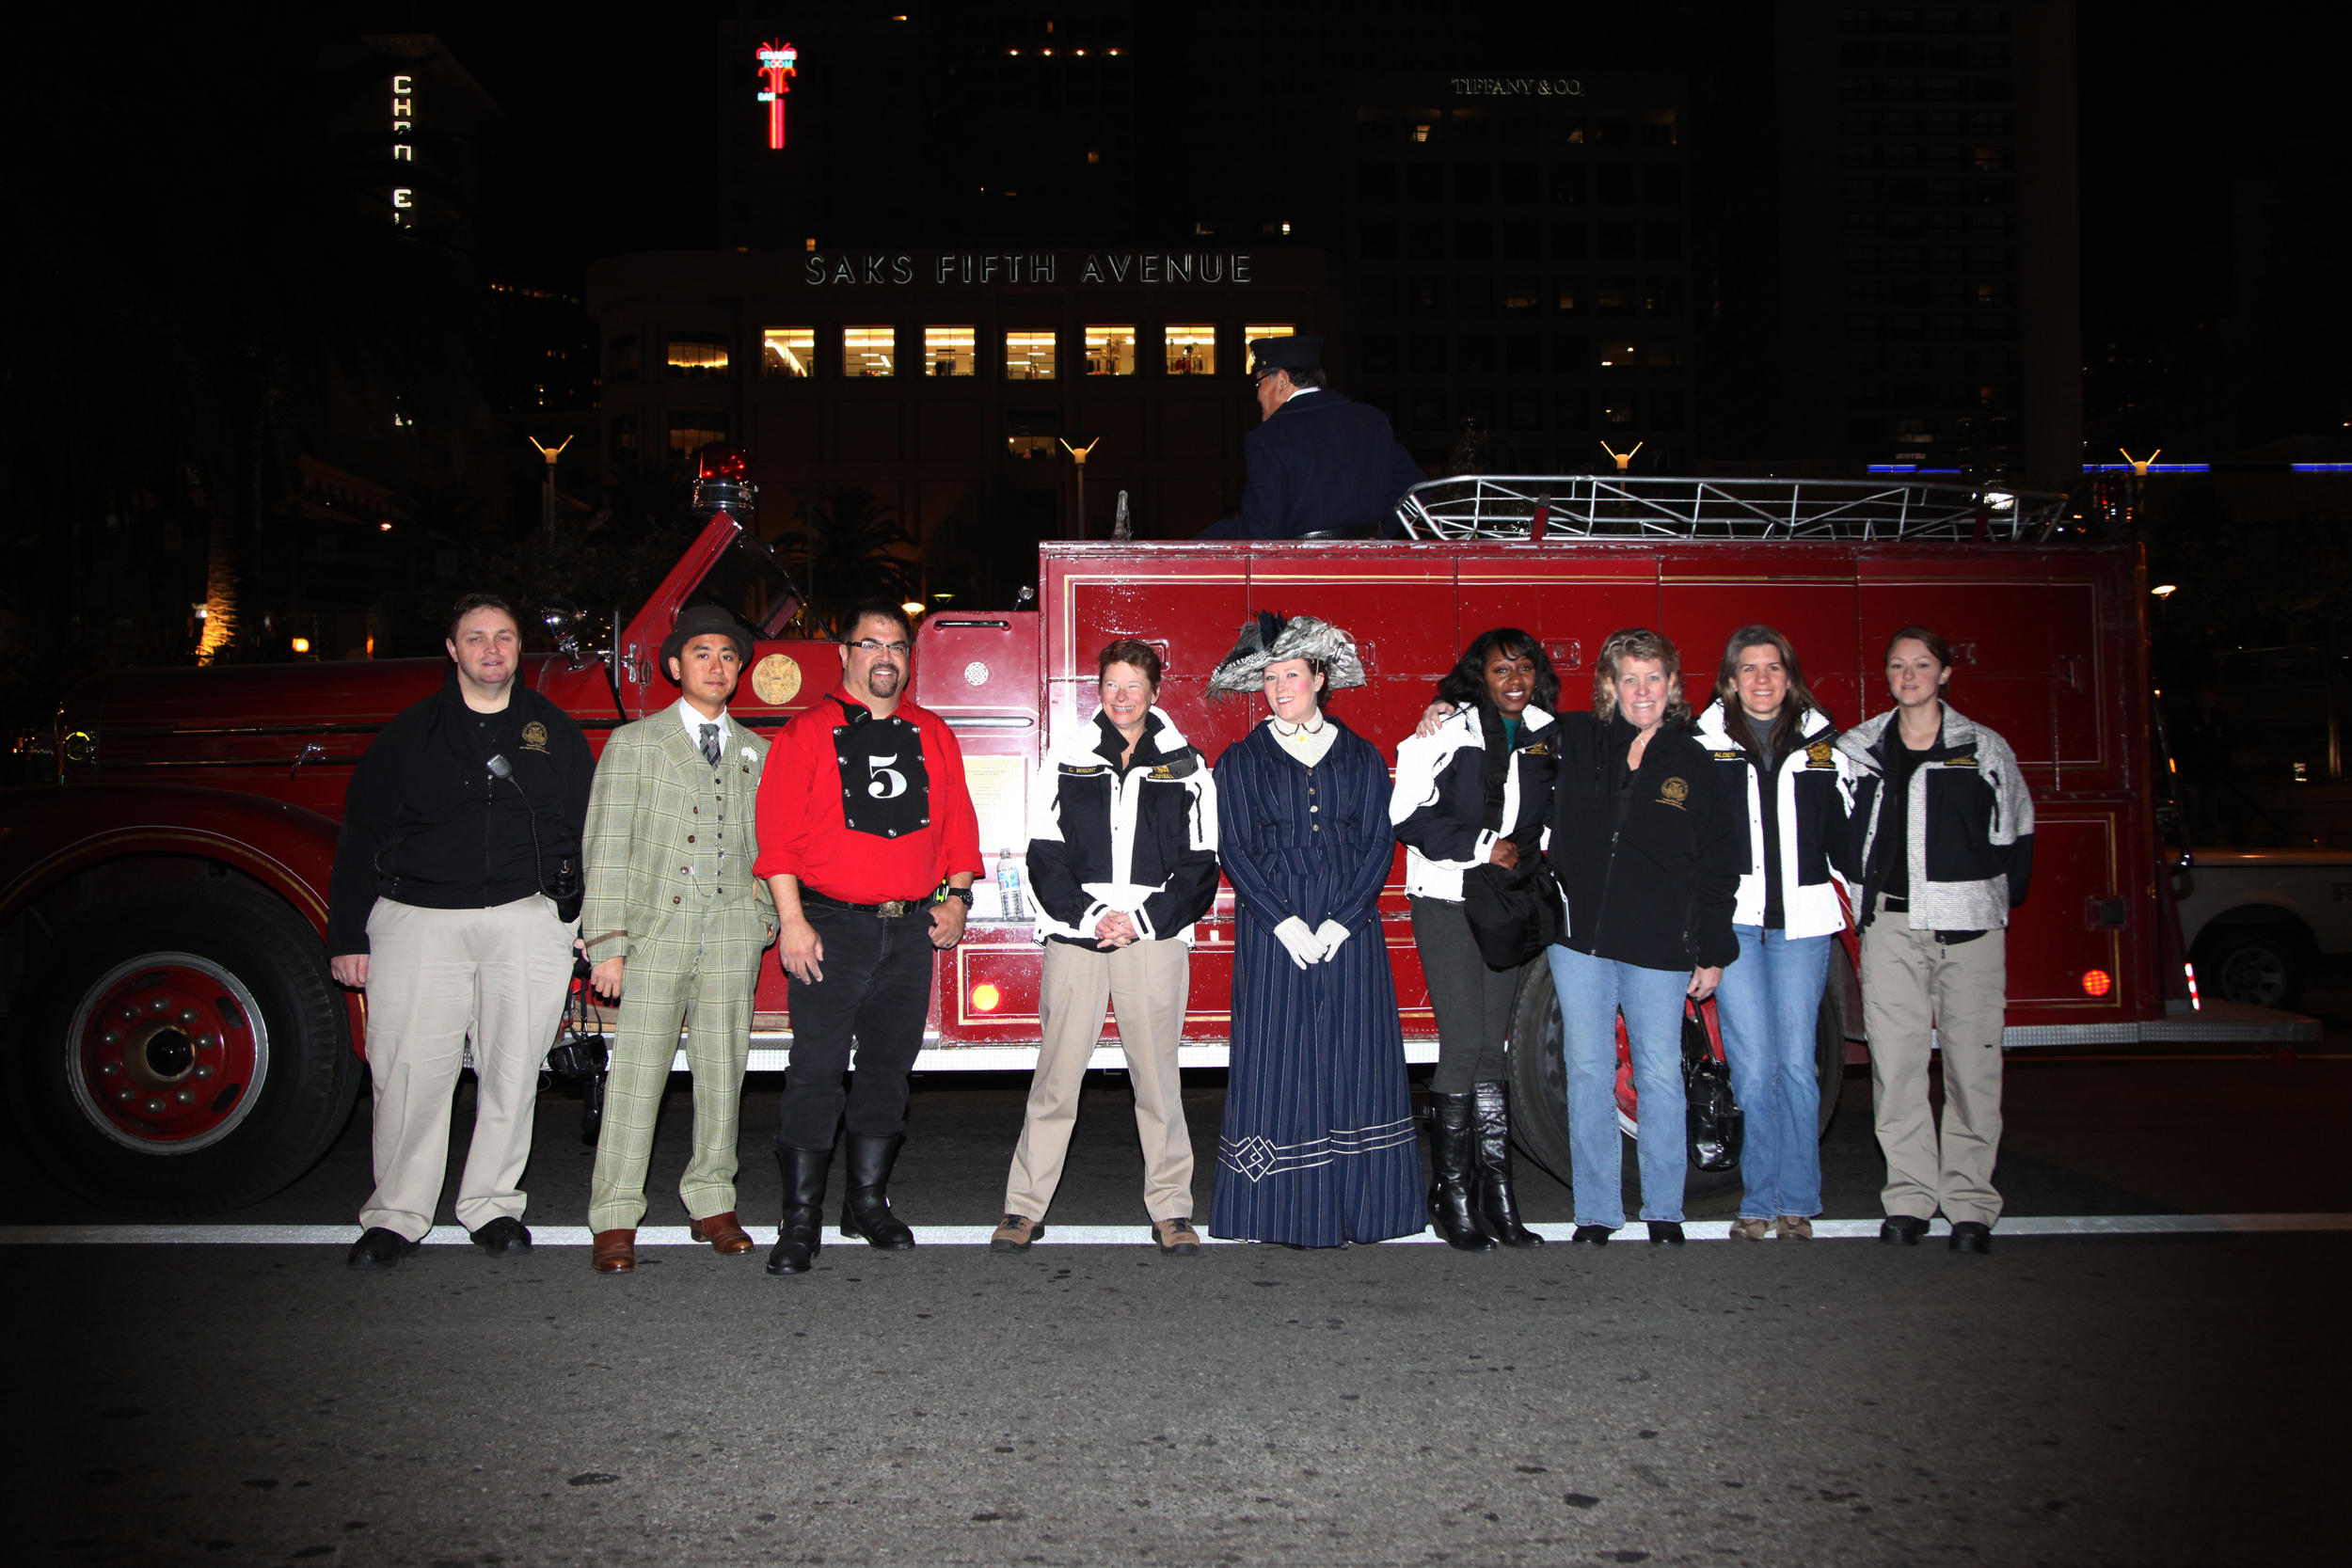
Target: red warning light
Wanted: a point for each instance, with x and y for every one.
(2097, 982)
(721, 462)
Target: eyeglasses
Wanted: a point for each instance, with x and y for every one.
(875, 645)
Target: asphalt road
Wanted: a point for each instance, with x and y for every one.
(2128, 1400)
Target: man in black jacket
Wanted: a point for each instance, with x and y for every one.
(462, 817)
(1320, 464)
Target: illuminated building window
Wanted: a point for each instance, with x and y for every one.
(789, 351)
(1521, 296)
(1030, 357)
(1110, 351)
(948, 350)
(870, 351)
(695, 428)
(1252, 333)
(1192, 351)
(1617, 410)
(624, 355)
(1618, 356)
(697, 358)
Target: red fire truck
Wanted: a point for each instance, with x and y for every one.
(177, 1046)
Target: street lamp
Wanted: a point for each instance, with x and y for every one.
(1624, 459)
(546, 495)
(1078, 456)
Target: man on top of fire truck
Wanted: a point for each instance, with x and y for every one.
(869, 839)
(1320, 464)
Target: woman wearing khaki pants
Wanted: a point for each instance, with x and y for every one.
(1122, 861)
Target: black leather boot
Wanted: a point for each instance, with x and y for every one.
(803, 1222)
(866, 1207)
(1452, 1127)
(1497, 1205)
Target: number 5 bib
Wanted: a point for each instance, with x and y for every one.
(885, 788)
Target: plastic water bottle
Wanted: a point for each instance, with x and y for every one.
(1009, 899)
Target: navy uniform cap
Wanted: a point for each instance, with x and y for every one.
(1285, 353)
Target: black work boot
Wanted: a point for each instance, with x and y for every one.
(803, 1222)
(1452, 1127)
(866, 1207)
(1497, 1205)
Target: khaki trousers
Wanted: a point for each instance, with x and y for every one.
(436, 979)
(1910, 982)
(1146, 983)
(697, 972)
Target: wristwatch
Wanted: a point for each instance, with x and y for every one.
(963, 893)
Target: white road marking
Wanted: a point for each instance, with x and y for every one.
(1137, 1234)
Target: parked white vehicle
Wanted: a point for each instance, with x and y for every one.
(2254, 919)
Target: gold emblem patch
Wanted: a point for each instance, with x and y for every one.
(1673, 793)
(535, 737)
(776, 679)
(1817, 754)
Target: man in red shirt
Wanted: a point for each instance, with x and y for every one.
(867, 837)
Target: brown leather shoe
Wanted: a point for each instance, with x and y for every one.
(1176, 1238)
(1015, 1234)
(722, 1231)
(613, 1252)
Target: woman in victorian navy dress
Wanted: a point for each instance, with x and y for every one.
(1317, 1148)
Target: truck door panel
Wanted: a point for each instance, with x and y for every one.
(2052, 944)
(1707, 595)
(1188, 605)
(1999, 630)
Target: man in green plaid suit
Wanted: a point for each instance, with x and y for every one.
(675, 923)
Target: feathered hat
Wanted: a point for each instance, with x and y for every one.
(1269, 638)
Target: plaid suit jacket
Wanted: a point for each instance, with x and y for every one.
(668, 834)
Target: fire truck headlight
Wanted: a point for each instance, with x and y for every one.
(985, 998)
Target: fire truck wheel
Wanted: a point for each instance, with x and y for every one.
(188, 1053)
(1539, 1100)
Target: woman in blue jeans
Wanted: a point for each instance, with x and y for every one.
(1774, 748)
(1645, 840)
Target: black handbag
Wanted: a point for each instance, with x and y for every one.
(1712, 1115)
(1513, 911)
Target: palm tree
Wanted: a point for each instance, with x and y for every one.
(846, 554)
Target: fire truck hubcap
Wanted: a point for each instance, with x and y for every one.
(169, 1052)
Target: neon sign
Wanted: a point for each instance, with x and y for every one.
(777, 62)
(404, 108)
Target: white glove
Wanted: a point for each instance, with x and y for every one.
(1330, 934)
(1305, 948)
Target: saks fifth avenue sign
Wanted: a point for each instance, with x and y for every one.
(843, 269)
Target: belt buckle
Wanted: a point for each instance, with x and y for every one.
(890, 909)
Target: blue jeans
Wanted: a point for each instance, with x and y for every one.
(1767, 1004)
(1591, 991)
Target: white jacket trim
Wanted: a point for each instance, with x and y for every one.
(1122, 895)
(1806, 911)
(1419, 761)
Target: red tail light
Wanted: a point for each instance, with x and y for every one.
(721, 462)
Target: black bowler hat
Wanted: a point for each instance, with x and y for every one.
(1285, 353)
(704, 620)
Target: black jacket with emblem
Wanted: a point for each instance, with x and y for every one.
(1649, 869)
(426, 823)
(1810, 792)
(1140, 839)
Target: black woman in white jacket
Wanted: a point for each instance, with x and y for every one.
(1475, 791)
(1799, 790)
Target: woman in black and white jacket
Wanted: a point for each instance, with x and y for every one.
(1941, 843)
(1122, 861)
(1776, 749)
(1476, 791)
